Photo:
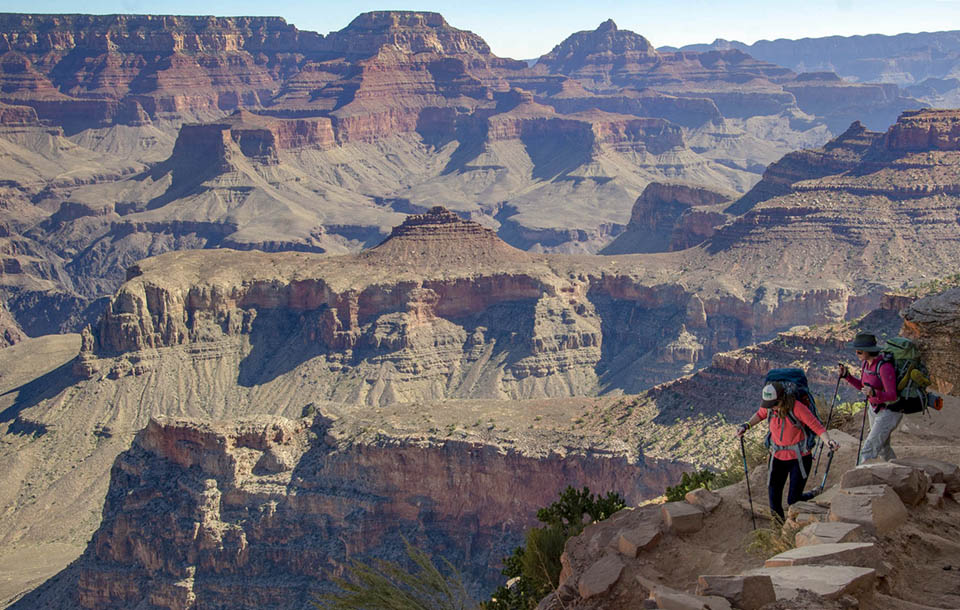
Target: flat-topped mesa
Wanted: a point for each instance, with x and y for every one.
(439, 236)
(925, 130)
(17, 116)
(405, 31)
(42, 33)
(257, 137)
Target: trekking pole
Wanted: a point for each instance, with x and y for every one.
(746, 475)
(866, 405)
(827, 426)
(826, 471)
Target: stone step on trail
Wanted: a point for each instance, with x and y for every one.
(877, 507)
(908, 482)
(804, 513)
(744, 592)
(682, 518)
(829, 582)
(857, 554)
(830, 532)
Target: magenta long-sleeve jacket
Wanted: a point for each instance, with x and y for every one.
(882, 376)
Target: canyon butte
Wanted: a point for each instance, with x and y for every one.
(275, 300)
(130, 136)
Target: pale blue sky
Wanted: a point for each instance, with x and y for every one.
(527, 29)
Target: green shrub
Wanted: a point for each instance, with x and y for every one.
(536, 565)
(730, 473)
(765, 542)
(689, 482)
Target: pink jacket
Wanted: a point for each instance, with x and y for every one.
(882, 375)
(784, 433)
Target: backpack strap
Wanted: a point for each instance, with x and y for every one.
(796, 448)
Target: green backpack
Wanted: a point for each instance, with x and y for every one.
(912, 376)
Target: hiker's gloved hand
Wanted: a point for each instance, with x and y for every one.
(843, 371)
(742, 429)
(834, 445)
(867, 390)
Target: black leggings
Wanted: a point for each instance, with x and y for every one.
(778, 478)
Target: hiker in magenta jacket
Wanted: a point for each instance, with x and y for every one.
(878, 382)
(790, 456)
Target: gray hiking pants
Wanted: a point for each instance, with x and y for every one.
(882, 425)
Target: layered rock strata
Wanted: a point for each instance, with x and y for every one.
(281, 505)
(443, 308)
(669, 217)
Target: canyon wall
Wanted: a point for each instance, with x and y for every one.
(281, 505)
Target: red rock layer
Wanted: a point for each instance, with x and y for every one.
(925, 130)
(282, 504)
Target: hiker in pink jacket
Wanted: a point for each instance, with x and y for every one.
(878, 382)
(790, 456)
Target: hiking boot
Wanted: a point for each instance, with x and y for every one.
(937, 402)
(808, 495)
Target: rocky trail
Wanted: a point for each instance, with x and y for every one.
(897, 554)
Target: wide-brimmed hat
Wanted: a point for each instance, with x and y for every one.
(770, 396)
(865, 342)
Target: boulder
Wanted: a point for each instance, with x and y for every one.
(745, 592)
(634, 541)
(909, 482)
(859, 554)
(936, 494)
(682, 518)
(669, 599)
(600, 577)
(938, 470)
(704, 499)
(877, 507)
(826, 533)
(830, 582)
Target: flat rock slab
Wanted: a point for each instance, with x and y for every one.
(744, 592)
(634, 541)
(876, 507)
(668, 599)
(681, 517)
(858, 554)
(600, 577)
(830, 582)
(704, 499)
(938, 470)
(832, 532)
(908, 482)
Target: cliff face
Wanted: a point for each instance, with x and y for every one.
(933, 322)
(283, 505)
(477, 318)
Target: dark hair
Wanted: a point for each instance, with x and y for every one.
(786, 401)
